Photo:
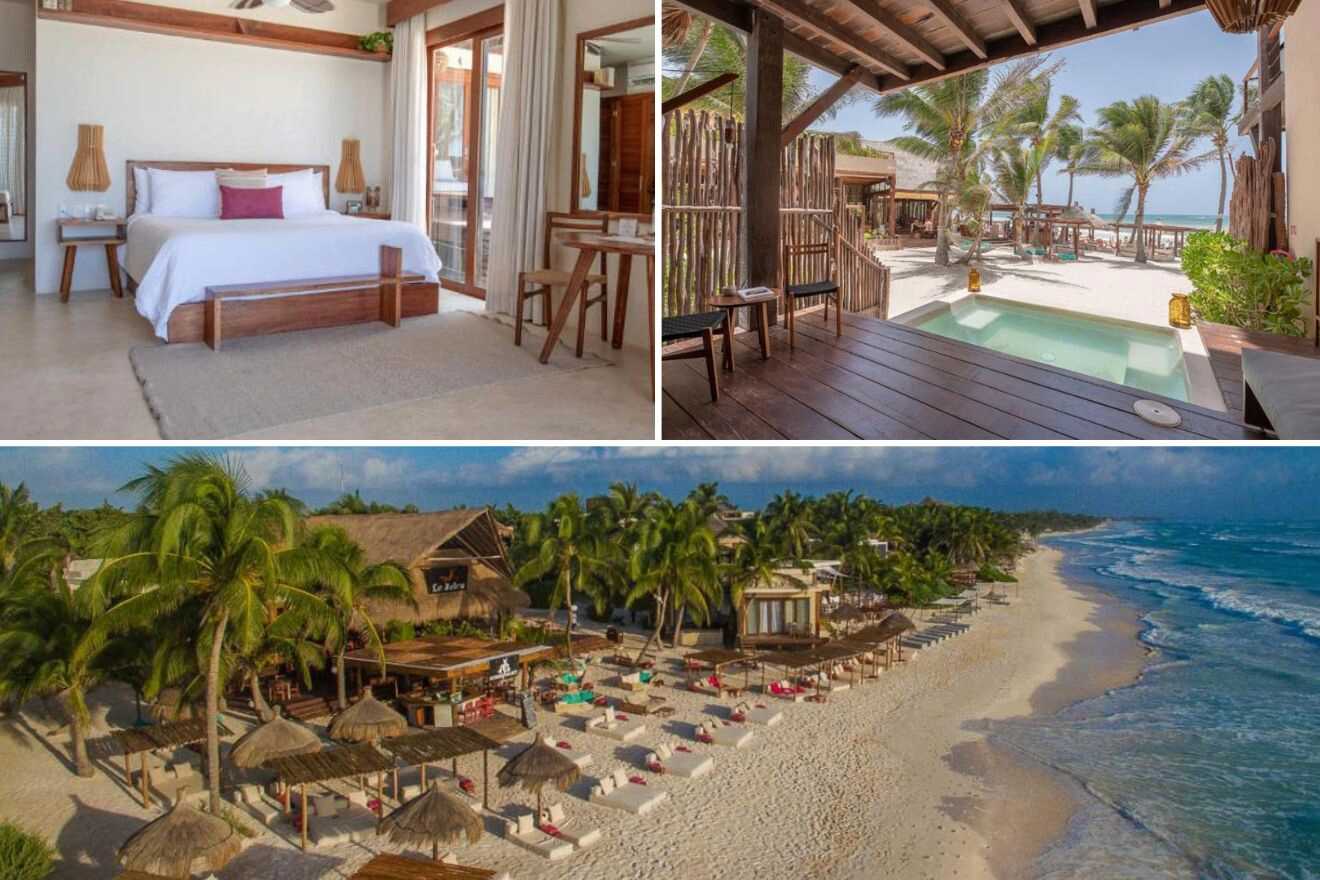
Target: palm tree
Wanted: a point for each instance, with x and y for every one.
(1037, 124)
(674, 561)
(954, 121)
(1070, 148)
(199, 539)
(1209, 112)
(17, 512)
(349, 584)
(1014, 168)
(576, 553)
(790, 518)
(705, 54)
(43, 626)
(1142, 140)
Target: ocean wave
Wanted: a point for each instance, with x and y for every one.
(1265, 608)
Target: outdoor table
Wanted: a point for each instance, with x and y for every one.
(588, 245)
(730, 304)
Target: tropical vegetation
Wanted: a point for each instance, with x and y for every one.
(1232, 284)
(23, 855)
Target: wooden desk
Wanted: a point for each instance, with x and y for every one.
(110, 242)
(731, 304)
(588, 245)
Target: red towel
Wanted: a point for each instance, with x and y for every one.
(738, 716)
(620, 716)
(467, 785)
(563, 744)
(637, 780)
(681, 749)
(550, 829)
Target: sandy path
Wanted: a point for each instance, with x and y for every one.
(892, 779)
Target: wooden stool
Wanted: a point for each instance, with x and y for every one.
(702, 326)
(110, 242)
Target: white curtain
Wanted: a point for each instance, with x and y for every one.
(12, 147)
(408, 99)
(529, 120)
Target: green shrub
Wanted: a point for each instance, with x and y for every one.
(24, 856)
(1234, 285)
(400, 631)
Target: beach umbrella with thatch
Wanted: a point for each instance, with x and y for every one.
(538, 764)
(180, 842)
(1085, 216)
(277, 738)
(367, 720)
(435, 816)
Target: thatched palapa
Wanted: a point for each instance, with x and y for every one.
(180, 842)
(366, 720)
(538, 764)
(391, 867)
(435, 816)
(277, 738)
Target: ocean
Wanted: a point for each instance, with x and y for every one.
(1202, 221)
(1209, 765)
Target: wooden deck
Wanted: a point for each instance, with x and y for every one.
(1225, 344)
(887, 381)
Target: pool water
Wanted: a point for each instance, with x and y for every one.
(1148, 358)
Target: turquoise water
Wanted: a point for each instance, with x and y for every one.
(1145, 358)
(1203, 221)
(1209, 765)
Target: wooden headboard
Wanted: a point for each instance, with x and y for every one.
(272, 167)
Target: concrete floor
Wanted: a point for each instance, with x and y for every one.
(65, 375)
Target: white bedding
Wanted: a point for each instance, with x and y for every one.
(173, 260)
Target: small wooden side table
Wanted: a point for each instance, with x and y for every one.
(110, 241)
(731, 304)
(370, 215)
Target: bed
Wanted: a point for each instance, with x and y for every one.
(171, 261)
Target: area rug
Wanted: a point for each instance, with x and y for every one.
(264, 381)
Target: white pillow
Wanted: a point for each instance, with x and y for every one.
(141, 191)
(184, 193)
(303, 193)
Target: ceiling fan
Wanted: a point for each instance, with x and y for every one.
(313, 6)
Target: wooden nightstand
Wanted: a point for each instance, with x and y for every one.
(369, 215)
(111, 242)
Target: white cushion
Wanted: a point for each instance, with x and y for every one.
(606, 785)
(620, 778)
(141, 191)
(326, 806)
(525, 823)
(556, 812)
(303, 193)
(184, 193)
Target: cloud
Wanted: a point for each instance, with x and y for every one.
(326, 469)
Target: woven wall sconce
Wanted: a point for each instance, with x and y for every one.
(89, 172)
(1247, 16)
(351, 178)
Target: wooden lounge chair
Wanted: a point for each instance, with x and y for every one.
(523, 831)
(608, 724)
(700, 326)
(566, 828)
(253, 801)
(826, 287)
(688, 764)
(1281, 393)
(617, 792)
(541, 282)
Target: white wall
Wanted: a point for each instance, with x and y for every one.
(1301, 64)
(16, 54)
(162, 97)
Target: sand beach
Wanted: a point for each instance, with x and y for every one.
(895, 775)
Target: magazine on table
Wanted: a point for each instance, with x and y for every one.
(750, 294)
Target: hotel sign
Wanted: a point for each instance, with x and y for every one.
(503, 667)
(446, 579)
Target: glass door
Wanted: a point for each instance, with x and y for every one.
(467, 79)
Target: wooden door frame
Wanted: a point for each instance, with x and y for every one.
(478, 28)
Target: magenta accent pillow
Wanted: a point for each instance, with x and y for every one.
(251, 204)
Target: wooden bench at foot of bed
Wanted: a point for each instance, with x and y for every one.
(240, 310)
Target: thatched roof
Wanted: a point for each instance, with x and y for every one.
(891, 626)
(408, 538)
(391, 867)
(448, 656)
(434, 816)
(717, 657)
(160, 736)
(913, 172)
(441, 744)
(789, 659)
(339, 763)
(367, 719)
(500, 727)
(180, 842)
(846, 612)
(538, 764)
(276, 738)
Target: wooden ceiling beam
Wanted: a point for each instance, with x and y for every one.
(823, 102)
(1088, 13)
(699, 91)
(802, 15)
(945, 12)
(889, 23)
(1020, 21)
(1123, 15)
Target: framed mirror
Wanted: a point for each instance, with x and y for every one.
(13, 156)
(614, 120)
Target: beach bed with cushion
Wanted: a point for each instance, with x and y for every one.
(638, 680)
(722, 733)
(617, 727)
(335, 819)
(618, 792)
(786, 690)
(580, 758)
(1281, 393)
(256, 803)
(523, 831)
(556, 822)
(680, 762)
(757, 714)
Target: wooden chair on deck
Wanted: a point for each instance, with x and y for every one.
(700, 326)
(540, 282)
(826, 287)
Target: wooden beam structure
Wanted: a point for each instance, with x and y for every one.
(810, 18)
(944, 11)
(906, 36)
(825, 101)
(1088, 12)
(698, 91)
(154, 19)
(1020, 21)
(763, 125)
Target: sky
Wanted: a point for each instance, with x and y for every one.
(1170, 482)
(1166, 60)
